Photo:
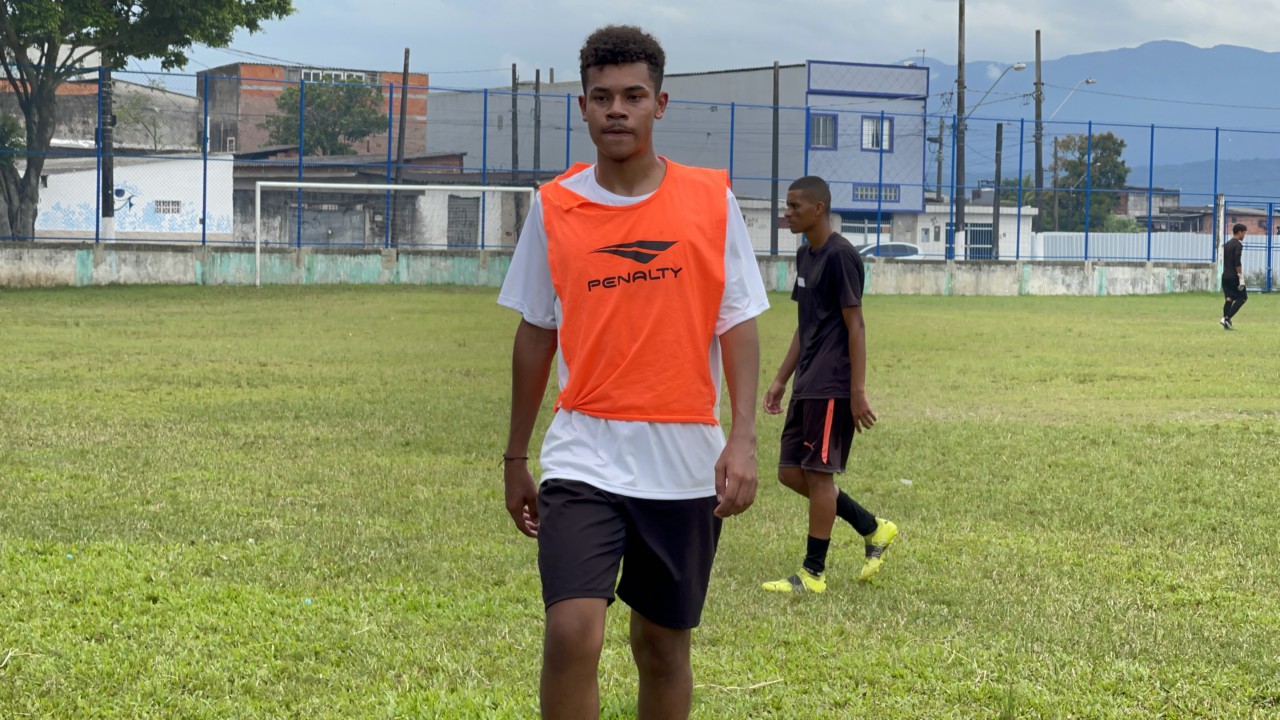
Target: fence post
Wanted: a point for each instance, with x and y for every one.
(1017, 237)
(879, 178)
(1217, 221)
(733, 119)
(204, 157)
(568, 130)
(1088, 189)
(1271, 210)
(386, 216)
(951, 200)
(97, 179)
(808, 136)
(484, 142)
(302, 146)
(1151, 181)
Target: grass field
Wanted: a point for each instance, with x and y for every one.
(286, 503)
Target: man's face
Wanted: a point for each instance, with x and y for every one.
(802, 212)
(619, 108)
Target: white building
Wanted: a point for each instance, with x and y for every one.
(156, 199)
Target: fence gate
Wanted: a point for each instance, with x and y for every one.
(979, 241)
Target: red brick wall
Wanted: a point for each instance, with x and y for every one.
(260, 86)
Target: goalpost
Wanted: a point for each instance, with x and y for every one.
(458, 217)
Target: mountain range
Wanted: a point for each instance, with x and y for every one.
(1204, 102)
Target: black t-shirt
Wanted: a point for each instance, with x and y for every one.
(1231, 253)
(828, 280)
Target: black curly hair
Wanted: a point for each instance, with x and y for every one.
(814, 188)
(622, 45)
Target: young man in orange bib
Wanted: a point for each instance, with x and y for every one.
(640, 273)
(828, 356)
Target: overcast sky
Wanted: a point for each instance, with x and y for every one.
(472, 43)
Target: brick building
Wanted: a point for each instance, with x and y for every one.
(242, 95)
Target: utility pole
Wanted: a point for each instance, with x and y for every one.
(404, 102)
(958, 233)
(1039, 93)
(537, 123)
(397, 218)
(995, 203)
(942, 126)
(106, 129)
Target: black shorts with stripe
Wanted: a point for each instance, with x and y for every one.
(817, 435)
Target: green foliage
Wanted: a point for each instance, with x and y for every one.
(12, 140)
(163, 29)
(1122, 224)
(337, 114)
(1089, 531)
(1109, 174)
(1009, 192)
(44, 42)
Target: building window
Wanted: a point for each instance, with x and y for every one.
(822, 132)
(331, 76)
(168, 207)
(868, 192)
(877, 136)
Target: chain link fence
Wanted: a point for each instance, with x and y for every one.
(173, 158)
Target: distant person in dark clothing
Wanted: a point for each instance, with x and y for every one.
(828, 356)
(1233, 276)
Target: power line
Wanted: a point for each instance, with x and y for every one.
(1167, 100)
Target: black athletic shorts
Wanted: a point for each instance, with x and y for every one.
(1231, 289)
(665, 549)
(817, 435)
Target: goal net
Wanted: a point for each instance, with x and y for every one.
(354, 215)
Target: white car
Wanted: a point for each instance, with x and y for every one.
(894, 250)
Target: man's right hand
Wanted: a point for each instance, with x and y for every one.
(522, 496)
(773, 397)
(1241, 285)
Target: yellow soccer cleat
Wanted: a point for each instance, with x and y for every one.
(803, 581)
(877, 543)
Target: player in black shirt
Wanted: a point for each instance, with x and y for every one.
(1233, 276)
(829, 396)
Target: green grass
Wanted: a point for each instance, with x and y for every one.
(240, 503)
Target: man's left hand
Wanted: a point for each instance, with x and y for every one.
(736, 476)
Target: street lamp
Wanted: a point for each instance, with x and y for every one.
(958, 230)
(1018, 67)
(1086, 81)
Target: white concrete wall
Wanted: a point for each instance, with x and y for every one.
(503, 211)
(79, 264)
(69, 205)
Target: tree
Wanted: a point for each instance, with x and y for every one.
(1073, 177)
(1009, 192)
(1122, 224)
(45, 42)
(139, 112)
(337, 114)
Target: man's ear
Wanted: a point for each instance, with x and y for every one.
(662, 105)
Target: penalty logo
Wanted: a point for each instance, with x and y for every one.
(640, 251)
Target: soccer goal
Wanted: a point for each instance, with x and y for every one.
(354, 215)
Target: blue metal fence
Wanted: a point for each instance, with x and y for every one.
(188, 150)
